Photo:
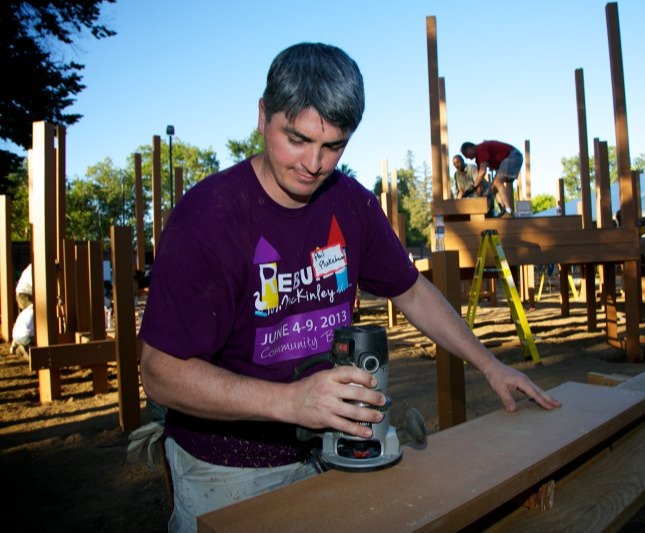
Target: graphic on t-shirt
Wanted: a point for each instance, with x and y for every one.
(336, 237)
(266, 257)
(300, 335)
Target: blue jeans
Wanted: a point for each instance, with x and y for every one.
(201, 487)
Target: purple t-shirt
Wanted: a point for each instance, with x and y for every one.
(257, 288)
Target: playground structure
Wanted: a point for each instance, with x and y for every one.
(566, 240)
(68, 284)
(578, 467)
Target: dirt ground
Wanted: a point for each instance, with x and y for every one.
(64, 465)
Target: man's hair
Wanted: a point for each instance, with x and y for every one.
(458, 157)
(316, 75)
(466, 146)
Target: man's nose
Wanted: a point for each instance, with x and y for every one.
(312, 159)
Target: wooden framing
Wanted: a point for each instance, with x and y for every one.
(139, 214)
(463, 474)
(7, 293)
(156, 192)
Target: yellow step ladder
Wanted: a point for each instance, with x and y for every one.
(490, 239)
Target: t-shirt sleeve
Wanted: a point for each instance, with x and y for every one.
(190, 310)
(386, 269)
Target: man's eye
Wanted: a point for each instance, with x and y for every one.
(295, 141)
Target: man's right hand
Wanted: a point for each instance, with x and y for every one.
(328, 399)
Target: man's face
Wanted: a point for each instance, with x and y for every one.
(299, 155)
(459, 163)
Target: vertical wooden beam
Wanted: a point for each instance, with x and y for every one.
(631, 269)
(605, 221)
(443, 117)
(585, 192)
(589, 271)
(451, 388)
(139, 214)
(60, 191)
(96, 290)
(83, 315)
(125, 330)
(69, 294)
(179, 183)
(620, 116)
(435, 114)
(7, 282)
(42, 203)
(100, 382)
(526, 193)
(156, 192)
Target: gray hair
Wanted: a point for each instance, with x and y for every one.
(316, 75)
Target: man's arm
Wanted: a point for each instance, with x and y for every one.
(427, 309)
(481, 173)
(200, 389)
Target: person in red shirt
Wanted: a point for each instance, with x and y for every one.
(505, 159)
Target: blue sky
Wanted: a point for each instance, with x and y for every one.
(509, 69)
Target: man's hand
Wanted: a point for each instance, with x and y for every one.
(504, 380)
(322, 400)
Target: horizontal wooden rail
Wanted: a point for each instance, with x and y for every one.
(463, 473)
(59, 356)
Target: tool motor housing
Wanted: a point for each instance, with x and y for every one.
(365, 347)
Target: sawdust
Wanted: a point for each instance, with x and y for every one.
(64, 465)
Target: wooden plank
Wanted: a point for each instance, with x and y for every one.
(126, 336)
(435, 112)
(7, 283)
(462, 206)
(462, 474)
(602, 496)
(451, 386)
(140, 214)
(59, 356)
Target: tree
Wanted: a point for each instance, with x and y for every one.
(240, 150)
(105, 195)
(347, 170)
(37, 85)
(571, 172)
(542, 202)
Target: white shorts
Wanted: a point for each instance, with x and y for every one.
(200, 487)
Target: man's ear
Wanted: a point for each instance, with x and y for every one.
(261, 116)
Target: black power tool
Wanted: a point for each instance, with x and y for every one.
(366, 347)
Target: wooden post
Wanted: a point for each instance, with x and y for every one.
(139, 214)
(585, 192)
(443, 117)
(7, 282)
(435, 113)
(451, 388)
(69, 295)
(526, 194)
(42, 201)
(631, 269)
(100, 381)
(126, 338)
(156, 192)
(83, 314)
(179, 183)
(386, 205)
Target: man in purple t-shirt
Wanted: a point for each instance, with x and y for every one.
(505, 159)
(256, 267)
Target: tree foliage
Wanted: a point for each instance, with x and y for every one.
(242, 149)
(542, 202)
(571, 171)
(39, 85)
(105, 196)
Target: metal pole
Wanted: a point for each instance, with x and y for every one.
(170, 174)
